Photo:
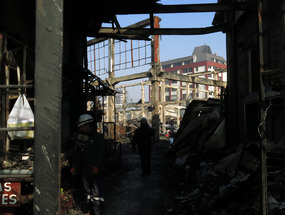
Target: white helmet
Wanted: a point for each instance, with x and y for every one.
(84, 118)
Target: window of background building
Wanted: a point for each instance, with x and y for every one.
(188, 71)
(173, 97)
(166, 66)
(197, 68)
(177, 64)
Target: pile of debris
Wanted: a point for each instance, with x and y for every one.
(214, 178)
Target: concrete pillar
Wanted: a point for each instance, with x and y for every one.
(155, 107)
(155, 82)
(194, 89)
(124, 103)
(162, 100)
(216, 89)
(178, 116)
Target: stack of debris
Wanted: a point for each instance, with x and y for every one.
(213, 178)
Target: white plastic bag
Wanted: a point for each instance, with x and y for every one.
(21, 116)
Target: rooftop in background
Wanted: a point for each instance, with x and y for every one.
(200, 54)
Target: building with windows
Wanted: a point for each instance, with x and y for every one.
(202, 60)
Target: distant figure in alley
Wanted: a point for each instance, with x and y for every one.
(143, 140)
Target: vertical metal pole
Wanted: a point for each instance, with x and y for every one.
(143, 99)
(111, 66)
(124, 104)
(7, 101)
(24, 75)
(155, 82)
(262, 116)
(48, 106)
(3, 120)
(162, 100)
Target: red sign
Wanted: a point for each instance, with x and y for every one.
(10, 193)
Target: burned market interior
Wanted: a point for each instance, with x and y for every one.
(228, 151)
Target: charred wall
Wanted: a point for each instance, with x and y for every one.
(242, 45)
(244, 52)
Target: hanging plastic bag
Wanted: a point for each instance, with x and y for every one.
(21, 116)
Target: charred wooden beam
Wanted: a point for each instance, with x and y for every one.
(109, 32)
(187, 8)
(48, 106)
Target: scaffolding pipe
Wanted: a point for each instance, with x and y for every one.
(262, 126)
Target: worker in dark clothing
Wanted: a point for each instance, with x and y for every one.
(143, 139)
(89, 160)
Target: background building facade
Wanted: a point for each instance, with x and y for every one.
(202, 60)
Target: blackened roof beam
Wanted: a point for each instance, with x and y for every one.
(188, 8)
(102, 37)
(108, 32)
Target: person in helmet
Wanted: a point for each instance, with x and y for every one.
(143, 139)
(89, 160)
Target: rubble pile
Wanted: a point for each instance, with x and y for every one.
(214, 178)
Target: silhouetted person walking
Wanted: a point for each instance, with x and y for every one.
(143, 139)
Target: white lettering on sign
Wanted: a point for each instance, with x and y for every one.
(10, 193)
(13, 199)
(4, 199)
(7, 186)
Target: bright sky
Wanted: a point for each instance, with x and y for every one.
(172, 47)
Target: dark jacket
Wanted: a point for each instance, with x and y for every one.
(143, 136)
(90, 153)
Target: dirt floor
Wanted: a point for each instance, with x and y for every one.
(127, 192)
